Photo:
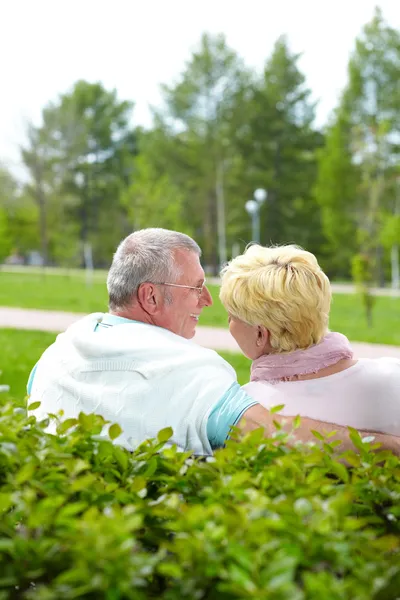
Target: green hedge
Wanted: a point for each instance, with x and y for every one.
(83, 518)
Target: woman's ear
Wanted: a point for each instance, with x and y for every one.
(262, 336)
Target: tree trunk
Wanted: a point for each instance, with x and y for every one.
(40, 196)
(44, 242)
(214, 235)
(380, 272)
(221, 224)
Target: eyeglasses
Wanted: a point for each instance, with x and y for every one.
(199, 290)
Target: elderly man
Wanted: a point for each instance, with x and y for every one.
(137, 366)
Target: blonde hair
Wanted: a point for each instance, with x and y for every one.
(282, 288)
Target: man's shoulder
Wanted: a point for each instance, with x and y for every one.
(151, 345)
(176, 350)
(86, 323)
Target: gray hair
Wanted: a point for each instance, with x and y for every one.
(147, 255)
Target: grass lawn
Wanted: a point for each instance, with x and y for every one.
(19, 353)
(60, 292)
(21, 350)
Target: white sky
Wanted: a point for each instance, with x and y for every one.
(46, 45)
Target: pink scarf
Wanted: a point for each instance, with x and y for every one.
(282, 367)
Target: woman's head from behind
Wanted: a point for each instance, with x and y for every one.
(278, 299)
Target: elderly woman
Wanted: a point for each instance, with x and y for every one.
(278, 301)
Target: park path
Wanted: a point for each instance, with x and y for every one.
(210, 337)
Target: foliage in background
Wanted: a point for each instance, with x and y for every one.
(362, 272)
(358, 177)
(79, 161)
(18, 216)
(334, 190)
(153, 192)
(221, 131)
(278, 142)
(198, 147)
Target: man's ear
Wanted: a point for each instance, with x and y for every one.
(149, 298)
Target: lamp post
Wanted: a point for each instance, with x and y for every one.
(253, 208)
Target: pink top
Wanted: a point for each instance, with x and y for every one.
(364, 396)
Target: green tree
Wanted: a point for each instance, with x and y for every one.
(279, 144)
(5, 241)
(85, 144)
(336, 192)
(193, 135)
(18, 217)
(362, 149)
(153, 199)
(7, 198)
(37, 159)
(95, 127)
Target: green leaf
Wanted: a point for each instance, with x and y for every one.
(170, 569)
(6, 501)
(352, 458)
(6, 544)
(151, 467)
(318, 435)
(65, 425)
(328, 448)
(387, 543)
(256, 436)
(296, 422)
(114, 431)
(86, 421)
(356, 438)
(240, 577)
(71, 510)
(340, 470)
(335, 443)
(238, 479)
(139, 483)
(25, 473)
(275, 409)
(8, 582)
(34, 405)
(122, 458)
(165, 434)
(330, 433)
(83, 483)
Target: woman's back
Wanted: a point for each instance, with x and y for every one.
(364, 396)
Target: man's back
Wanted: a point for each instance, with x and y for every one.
(141, 376)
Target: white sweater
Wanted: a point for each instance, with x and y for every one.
(141, 376)
(365, 396)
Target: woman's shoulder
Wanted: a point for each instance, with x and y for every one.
(366, 371)
(377, 377)
(385, 365)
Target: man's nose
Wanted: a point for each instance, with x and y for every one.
(206, 298)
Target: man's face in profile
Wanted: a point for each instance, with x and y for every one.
(181, 315)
